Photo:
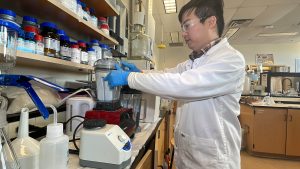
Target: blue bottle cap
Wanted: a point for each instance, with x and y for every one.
(79, 2)
(30, 19)
(48, 24)
(11, 25)
(29, 35)
(7, 12)
(83, 5)
(91, 49)
(21, 33)
(80, 41)
(102, 45)
(94, 41)
(64, 38)
(92, 11)
(60, 32)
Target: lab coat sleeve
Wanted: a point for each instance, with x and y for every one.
(219, 76)
(178, 69)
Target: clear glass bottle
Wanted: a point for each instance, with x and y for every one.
(50, 38)
(92, 56)
(75, 53)
(83, 53)
(39, 45)
(65, 48)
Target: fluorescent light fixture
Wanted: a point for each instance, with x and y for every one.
(277, 34)
(170, 6)
(230, 32)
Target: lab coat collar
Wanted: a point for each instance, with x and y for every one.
(204, 50)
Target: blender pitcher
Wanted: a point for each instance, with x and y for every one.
(104, 92)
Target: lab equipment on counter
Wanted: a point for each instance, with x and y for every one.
(106, 148)
(54, 148)
(77, 106)
(27, 149)
(108, 106)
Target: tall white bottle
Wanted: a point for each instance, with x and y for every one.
(54, 148)
(27, 148)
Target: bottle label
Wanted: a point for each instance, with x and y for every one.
(84, 56)
(30, 46)
(39, 48)
(75, 55)
(49, 43)
(65, 51)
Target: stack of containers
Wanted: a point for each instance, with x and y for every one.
(8, 36)
(98, 50)
(65, 48)
(29, 25)
(92, 56)
(94, 19)
(79, 9)
(51, 39)
(86, 12)
(75, 53)
(83, 52)
(103, 25)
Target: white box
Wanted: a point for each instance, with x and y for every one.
(150, 108)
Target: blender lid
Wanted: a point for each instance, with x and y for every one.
(107, 63)
(12, 25)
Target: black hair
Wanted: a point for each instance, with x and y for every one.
(204, 9)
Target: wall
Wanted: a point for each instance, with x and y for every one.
(284, 54)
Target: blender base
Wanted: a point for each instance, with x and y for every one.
(121, 117)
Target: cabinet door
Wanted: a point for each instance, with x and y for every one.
(293, 133)
(269, 130)
(246, 120)
(147, 161)
(159, 144)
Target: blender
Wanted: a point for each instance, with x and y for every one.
(108, 106)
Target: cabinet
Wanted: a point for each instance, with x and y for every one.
(160, 144)
(293, 133)
(271, 131)
(147, 161)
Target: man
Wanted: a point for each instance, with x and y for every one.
(207, 86)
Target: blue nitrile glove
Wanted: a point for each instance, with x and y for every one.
(117, 77)
(130, 67)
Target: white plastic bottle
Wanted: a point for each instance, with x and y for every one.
(27, 148)
(54, 148)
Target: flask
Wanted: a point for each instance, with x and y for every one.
(54, 149)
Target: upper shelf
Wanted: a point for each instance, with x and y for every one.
(34, 60)
(53, 10)
(103, 9)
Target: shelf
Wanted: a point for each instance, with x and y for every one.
(54, 11)
(105, 9)
(35, 60)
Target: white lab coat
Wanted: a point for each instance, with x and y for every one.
(207, 131)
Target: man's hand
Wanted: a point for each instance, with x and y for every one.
(117, 77)
(130, 67)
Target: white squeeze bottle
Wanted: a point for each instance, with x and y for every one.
(54, 148)
(27, 148)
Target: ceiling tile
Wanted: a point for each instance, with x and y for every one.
(232, 3)
(272, 14)
(247, 13)
(248, 3)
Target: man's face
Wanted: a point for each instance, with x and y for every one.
(195, 33)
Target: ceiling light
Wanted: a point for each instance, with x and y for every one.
(170, 6)
(230, 32)
(277, 34)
